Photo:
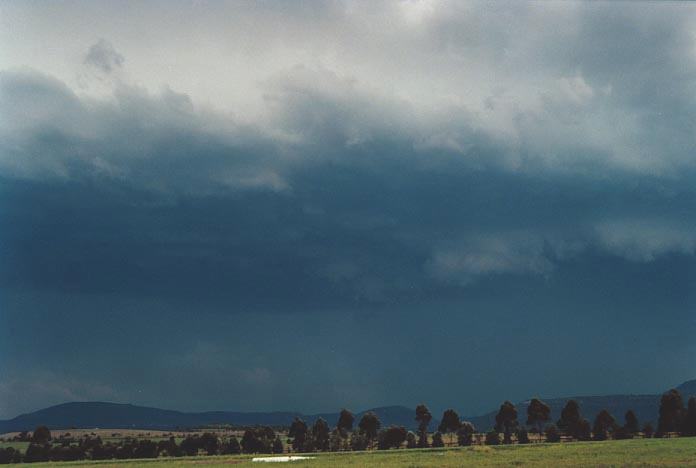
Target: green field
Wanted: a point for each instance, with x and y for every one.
(640, 452)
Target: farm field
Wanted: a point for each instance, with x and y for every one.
(642, 452)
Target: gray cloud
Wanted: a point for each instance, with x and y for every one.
(150, 141)
(435, 165)
(103, 56)
(646, 239)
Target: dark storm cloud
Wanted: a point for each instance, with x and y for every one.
(350, 218)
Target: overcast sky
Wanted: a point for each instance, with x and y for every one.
(311, 205)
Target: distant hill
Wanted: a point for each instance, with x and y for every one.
(87, 415)
(687, 389)
(644, 406)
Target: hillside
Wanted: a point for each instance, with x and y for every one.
(645, 407)
(87, 415)
(115, 415)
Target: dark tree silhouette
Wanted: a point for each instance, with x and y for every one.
(392, 437)
(10, 455)
(298, 432)
(423, 416)
(450, 423)
(631, 424)
(570, 416)
(671, 412)
(257, 441)
(277, 445)
(209, 442)
(345, 421)
(423, 440)
(506, 421)
(231, 447)
(336, 441)
(603, 423)
(552, 434)
(522, 436)
(492, 437)
(41, 435)
(648, 430)
(688, 427)
(572, 423)
(320, 433)
(465, 434)
(538, 414)
(437, 440)
(369, 425)
(583, 431)
(358, 441)
(36, 453)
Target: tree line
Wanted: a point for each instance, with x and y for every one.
(674, 419)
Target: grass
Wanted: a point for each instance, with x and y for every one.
(17, 445)
(622, 453)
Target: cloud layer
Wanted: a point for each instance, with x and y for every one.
(384, 160)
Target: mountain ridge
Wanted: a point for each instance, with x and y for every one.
(94, 414)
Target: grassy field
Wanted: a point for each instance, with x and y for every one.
(643, 452)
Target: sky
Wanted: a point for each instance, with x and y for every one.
(305, 206)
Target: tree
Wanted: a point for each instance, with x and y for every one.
(358, 441)
(36, 452)
(450, 423)
(538, 414)
(41, 435)
(336, 439)
(671, 412)
(209, 442)
(631, 424)
(603, 422)
(621, 433)
(251, 442)
(320, 433)
(572, 422)
(189, 446)
(231, 447)
(552, 434)
(423, 440)
(369, 425)
(277, 445)
(522, 436)
(583, 431)
(492, 437)
(465, 434)
(309, 444)
(391, 437)
(411, 440)
(345, 421)
(423, 416)
(10, 455)
(437, 440)
(688, 427)
(298, 432)
(648, 430)
(506, 421)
